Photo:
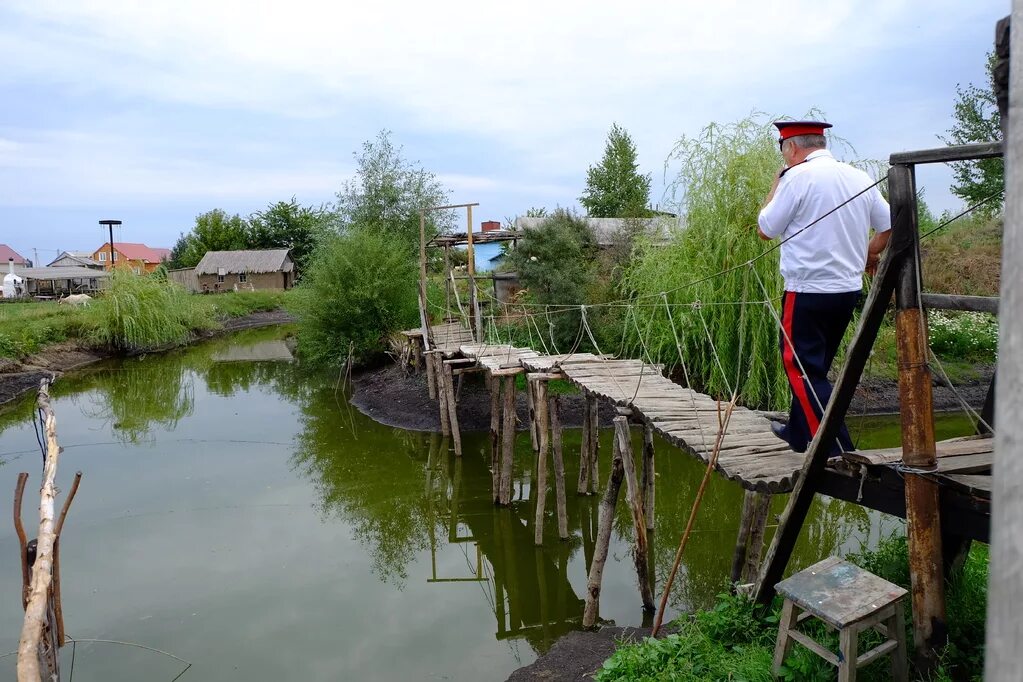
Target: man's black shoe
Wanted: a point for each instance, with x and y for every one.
(778, 429)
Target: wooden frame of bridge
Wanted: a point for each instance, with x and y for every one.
(942, 489)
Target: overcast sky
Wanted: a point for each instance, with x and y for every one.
(153, 112)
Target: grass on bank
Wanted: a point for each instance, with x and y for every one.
(732, 641)
(134, 313)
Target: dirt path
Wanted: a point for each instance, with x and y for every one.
(18, 378)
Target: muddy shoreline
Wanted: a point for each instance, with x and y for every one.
(20, 377)
(400, 399)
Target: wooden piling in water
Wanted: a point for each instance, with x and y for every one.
(742, 540)
(648, 474)
(540, 386)
(584, 451)
(554, 408)
(534, 426)
(437, 363)
(508, 434)
(495, 437)
(603, 542)
(431, 378)
(758, 526)
(452, 404)
(594, 429)
(634, 495)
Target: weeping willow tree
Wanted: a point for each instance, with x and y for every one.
(724, 174)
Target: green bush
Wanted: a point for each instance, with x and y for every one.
(138, 312)
(359, 287)
(962, 335)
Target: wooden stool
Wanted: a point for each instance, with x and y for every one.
(847, 599)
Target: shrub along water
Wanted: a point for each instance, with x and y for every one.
(359, 287)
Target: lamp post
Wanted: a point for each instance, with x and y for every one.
(110, 224)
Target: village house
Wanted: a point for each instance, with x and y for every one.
(248, 270)
(8, 254)
(139, 257)
(75, 259)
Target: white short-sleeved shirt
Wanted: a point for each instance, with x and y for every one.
(828, 257)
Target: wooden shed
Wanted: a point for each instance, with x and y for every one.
(245, 270)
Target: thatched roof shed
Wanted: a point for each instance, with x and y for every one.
(250, 262)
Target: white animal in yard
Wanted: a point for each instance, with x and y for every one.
(76, 299)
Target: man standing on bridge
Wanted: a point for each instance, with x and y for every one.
(824, 252)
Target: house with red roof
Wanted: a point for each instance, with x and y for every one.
(7, 253)
(138, 257)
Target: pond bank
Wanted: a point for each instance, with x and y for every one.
(578, 655)
(18, 378)
(396, 398)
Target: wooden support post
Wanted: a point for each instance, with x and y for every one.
(742, 540)
(541, 463)
(431, 375)
(923, 523)
(437, 361)
(508, 433)
(424, 309)
(584, 451)
(534, 427)
(474, 304)
(452, 404)
(1004, 630)
(857, 354)
(448, 283)
(594, 428)
(648, 474)
(495, 437)
(554, 406)
(758, 525)
(603, 542)
(634, 494)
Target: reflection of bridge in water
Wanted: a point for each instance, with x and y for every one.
(528, 590)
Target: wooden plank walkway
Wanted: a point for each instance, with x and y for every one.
(750, 454)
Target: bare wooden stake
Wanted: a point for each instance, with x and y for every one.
(431, 376)
(452, 403)
(534, 438)
(758, 525)
(584, 451)
(603, 542)
(508, 433)
(648, 474)
(37, 647)
(495, 437)
(541, 463)
(559, 466)
(742, 540)
(437, 362)
(623, 445)
(594, 444)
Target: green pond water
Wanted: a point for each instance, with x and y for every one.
(238, 513)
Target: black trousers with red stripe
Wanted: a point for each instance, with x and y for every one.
(815, 324)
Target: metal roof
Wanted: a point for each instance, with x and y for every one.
(60, 273)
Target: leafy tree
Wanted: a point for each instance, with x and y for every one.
(388, 191)
(287, 225)
(614, 187)
(976, 119)
(214, 231)
(556, 263)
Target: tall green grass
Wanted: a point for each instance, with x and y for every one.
(724, 174)
(139, 312)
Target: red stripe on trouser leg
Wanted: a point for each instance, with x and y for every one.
(791, 368)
